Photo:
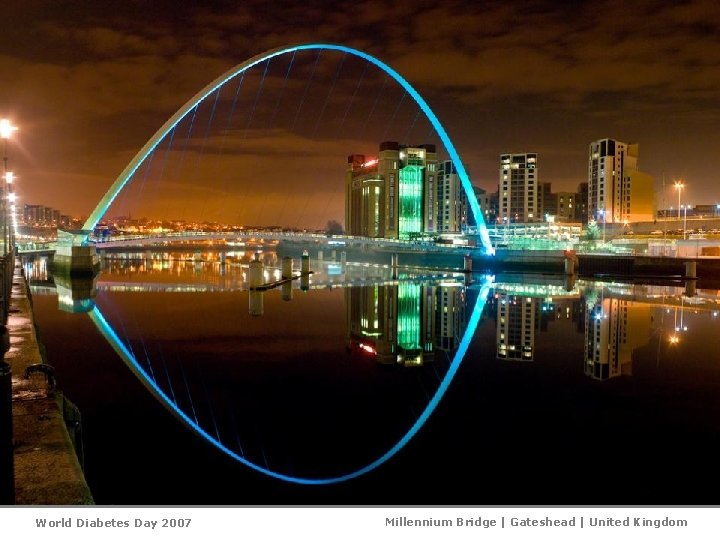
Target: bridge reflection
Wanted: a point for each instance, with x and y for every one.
(190, 419)
(413, 321)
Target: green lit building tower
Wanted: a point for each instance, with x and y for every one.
(392, 323)
(393, 195)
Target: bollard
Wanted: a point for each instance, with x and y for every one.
(256, 303)
(570, 282)
(690, 288)
(691, 269)
(287, 291)
(305, 263)
(255, 272)
(569, 266)
(305, 282)
(287, 268)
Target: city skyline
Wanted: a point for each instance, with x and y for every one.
(88, 85)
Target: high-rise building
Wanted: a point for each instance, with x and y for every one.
(581, 201)
(451, 208)
(37, 214)
(494, 207)
(32, 213)
(364, 198)
(485, 201)
(566, 206)
(518, 189)
(548, 200)
(393, 195)
(617, 191)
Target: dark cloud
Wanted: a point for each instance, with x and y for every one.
(90, 82)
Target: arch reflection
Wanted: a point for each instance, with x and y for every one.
(410, 307)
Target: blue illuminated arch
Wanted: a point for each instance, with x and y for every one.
(129, 358)
(145, 151)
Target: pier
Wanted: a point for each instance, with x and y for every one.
(46, 428)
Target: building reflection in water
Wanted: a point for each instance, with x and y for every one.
(517, 321)
(76, 294)
(404, 323)
(614, 328)
(522, 309)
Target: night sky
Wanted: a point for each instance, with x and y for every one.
(88, 83)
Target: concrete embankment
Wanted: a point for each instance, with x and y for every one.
(640, 266)
(47, 468)
(648, 266)
(523, 260)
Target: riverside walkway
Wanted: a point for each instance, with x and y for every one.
(47, 469)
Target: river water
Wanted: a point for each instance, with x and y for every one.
(357, 386)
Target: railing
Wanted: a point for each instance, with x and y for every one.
(7, 268)
(7, 472)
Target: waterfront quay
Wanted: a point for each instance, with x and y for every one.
(552, 261)
(46, 430)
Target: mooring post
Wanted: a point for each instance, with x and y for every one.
(287, 265)
(255, 272)
(691, 269)
(287, 291)
(305, 263)
(256, 303)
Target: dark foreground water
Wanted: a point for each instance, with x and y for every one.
(364, 389)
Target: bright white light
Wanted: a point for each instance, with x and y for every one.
(9, 177)
(11, 197)
(6, 129)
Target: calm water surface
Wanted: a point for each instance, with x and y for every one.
(425, 389)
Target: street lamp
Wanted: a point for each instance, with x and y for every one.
(6, 131)
(9, 179)
(7, 469)
(679, 185)
(685, 207)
